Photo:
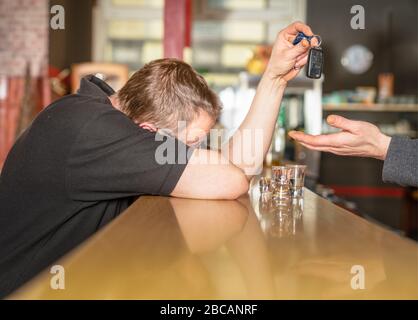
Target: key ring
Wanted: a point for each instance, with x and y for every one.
(318, 38)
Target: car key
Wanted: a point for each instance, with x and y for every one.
(315, 56)
(315, 63)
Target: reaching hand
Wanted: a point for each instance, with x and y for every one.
(287, 59)
(357, 138)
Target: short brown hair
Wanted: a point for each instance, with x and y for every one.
(165, 91)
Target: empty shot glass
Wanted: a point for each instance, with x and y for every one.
(296, 176)
(280, 182)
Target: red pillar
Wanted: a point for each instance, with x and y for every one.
(177, 27)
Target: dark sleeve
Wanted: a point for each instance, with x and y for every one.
(114, 158)
(401, 164)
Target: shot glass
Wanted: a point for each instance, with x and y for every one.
(296, 177)
(280, 183)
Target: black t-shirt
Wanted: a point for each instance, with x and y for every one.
(78, 165)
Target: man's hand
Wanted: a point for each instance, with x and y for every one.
(287, 59)
(357, 138)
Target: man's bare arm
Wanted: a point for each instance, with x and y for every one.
(285, 63)
(209, 175)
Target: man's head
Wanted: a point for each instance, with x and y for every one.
(167, 91)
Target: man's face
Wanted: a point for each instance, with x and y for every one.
(197, 130)
(194, 132)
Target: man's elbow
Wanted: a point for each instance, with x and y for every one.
(238, 186)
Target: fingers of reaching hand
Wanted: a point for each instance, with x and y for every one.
(324, 140)
(343, 123)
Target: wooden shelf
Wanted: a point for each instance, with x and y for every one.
(375, 107)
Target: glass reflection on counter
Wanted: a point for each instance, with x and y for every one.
(280, 217)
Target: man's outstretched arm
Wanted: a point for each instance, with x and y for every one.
(363, 139)
(250, 144)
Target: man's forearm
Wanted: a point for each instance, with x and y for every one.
(248, 146)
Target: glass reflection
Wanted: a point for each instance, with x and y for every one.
(280, 217)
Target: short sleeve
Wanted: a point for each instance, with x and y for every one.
(114, 158)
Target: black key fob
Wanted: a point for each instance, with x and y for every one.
(315, 63)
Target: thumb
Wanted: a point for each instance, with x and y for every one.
(342, 123)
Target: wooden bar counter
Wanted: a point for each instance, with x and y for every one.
(168, 248)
